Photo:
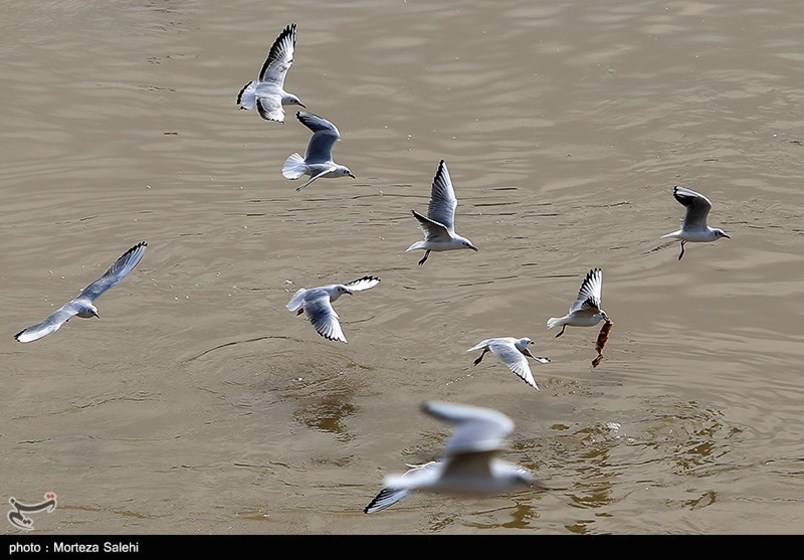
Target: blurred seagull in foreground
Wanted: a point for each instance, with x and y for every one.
(317, 161)
(266, 92)
(317, 304)
(585, 311)
(694, 227)
(514, 353)
(83, 305)
(439, 225)
(468, 464)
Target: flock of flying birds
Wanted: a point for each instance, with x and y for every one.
(469, 463)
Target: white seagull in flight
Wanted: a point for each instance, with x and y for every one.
(439, 225)
(317, 161)
(585, 311)
(694, 227)
(267, 93)
(468, 464)
(317, 304)
(514, 353)
(84, 303)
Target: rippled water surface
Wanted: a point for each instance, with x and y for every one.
(198, 404)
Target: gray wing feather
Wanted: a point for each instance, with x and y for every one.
(324, 318)
(270, 108)
(364, 283)
(697, 205)
(432, 230)
(476, 429)
(319, 149)
(590, 293)
(442, 199)
(115, 273)
(389, 496)
(49, 325)
(515, 360)
(280, 57)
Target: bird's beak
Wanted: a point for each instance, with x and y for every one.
(352, 176)
(302, 105)
(473, 248)
(95, 313)
(350, 292)
(726, 236)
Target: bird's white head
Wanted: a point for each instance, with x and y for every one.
(290, 99)
(468, 244)
(88, 310)
(337, 291)
(342, 171)
(720, 233)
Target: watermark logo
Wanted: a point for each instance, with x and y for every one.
(17, 515)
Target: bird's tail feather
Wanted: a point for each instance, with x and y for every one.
(417, 245)
(296, 301)
(554, 322)
(294, 167)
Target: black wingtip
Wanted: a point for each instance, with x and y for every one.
(240, 94)
(442, 168)
(17, 336)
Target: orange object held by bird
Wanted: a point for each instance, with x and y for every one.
(602, 338)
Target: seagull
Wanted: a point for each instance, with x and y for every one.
(694, 227)
(468, 464)
(439, 225)
(317, 162)
(266, 92)
(317, 303)
(586, 311)
(83, 305)
(514, 353)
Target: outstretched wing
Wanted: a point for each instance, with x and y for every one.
(319, 149)
(389, 496)
(364, 283)
(442, 199)
(280, 57)
(590, 293)
(433, 231)
(324, 319)
(49, 325)
(477, 430)
(697, 205)
(115, 273)
(321, 173)
(515, 360)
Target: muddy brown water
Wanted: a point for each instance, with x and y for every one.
(198, 404)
